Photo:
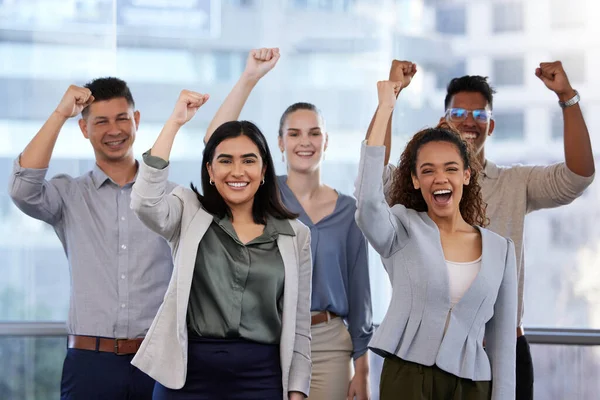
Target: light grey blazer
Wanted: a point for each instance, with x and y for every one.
(180, 218)
(413, 328)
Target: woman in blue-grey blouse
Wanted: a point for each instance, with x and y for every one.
(453, 282)
(341, 299)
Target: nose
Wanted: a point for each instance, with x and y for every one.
(238, 170)
(440, 177)
(113, 129)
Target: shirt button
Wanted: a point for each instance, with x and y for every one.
(123, 276)
(122, 218)
(123, 305)
(123, 246)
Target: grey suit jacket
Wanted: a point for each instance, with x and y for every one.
(180, 218)
(413, 328)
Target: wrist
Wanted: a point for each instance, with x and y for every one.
(249, 79)
(60, 116)
(173, 126)
(566, 95)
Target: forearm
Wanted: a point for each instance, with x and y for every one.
(38, 152)
(578, 148)
(164, 143)
(232, 106)
(361, 365)
(377, 136)
(388, 135)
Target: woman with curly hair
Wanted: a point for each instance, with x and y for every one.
(454, 282)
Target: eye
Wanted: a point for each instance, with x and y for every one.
(452, 169)
(224, 161)
(100, 122)
(123, 119)
(426, 171)
(249, 161)
(292, 134)
(316, 133)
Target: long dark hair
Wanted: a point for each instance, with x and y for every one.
(472, 208)
(267, 200)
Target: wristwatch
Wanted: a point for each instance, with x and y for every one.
(571, 102)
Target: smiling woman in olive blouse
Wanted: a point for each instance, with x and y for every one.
(235, 322)
(453, 282)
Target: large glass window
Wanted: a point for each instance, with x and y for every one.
(333, 53)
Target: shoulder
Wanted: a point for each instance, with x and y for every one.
(495, 240)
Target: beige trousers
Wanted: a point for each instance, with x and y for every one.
(331, 352)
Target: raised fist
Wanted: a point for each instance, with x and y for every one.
(555, 78)
(74, 101)
(403, 72)
(187, 104)
(261, 61)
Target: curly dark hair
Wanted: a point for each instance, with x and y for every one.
(472, 207)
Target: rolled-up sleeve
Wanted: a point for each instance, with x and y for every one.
(34, 195)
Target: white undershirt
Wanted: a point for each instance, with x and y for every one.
(461, 275)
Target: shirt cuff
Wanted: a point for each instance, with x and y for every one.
(154, 161)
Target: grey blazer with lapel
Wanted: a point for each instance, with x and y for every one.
(413, 328)
(180, 218)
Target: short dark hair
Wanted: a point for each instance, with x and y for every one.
(267, 200)
(108, 88)
(470, 83)
(295, 107)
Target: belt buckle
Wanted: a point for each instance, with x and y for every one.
(116, 350)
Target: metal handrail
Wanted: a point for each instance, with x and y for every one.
(552, 336)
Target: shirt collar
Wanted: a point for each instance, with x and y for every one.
(99, 177)
(490, 170)
(273, 228)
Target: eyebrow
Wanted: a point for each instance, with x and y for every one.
(298, 130)
(229, 156)
(431, 164)
(102, 117)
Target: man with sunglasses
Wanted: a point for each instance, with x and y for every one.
(512, 192)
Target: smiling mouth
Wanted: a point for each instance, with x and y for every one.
(115, 143)
(442, 197)
(305, 154)
(469, 135)
(237, 185)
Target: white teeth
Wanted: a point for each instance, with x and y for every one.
(238, 184)
(468, 135)
(442, 191)
(305, 153)
(114, 143)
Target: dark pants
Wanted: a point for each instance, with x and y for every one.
(524, 370)
(406, 380)
(228, 370)
(90, 375)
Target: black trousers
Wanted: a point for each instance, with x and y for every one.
(405, 380)
(222, 369)
(91, 375)
(524, 370)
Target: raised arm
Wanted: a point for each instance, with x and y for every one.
(28, 187)
(500, 331)
(578, 148)
(259, 62)
(385, 231)
(400, 71)
(159, 211)
(560, 184)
